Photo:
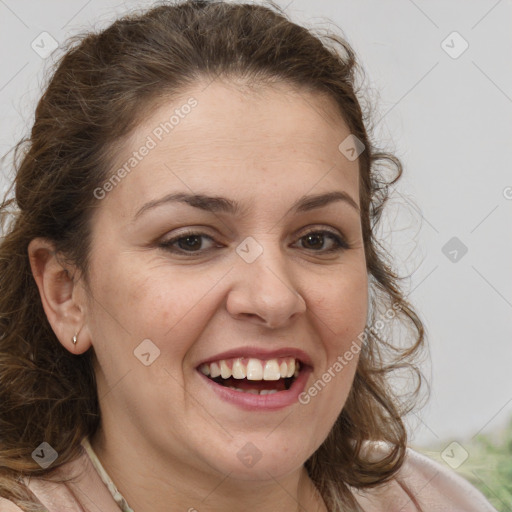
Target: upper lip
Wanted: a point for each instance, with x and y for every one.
(259, 353)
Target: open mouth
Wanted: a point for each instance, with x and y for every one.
(251, 375)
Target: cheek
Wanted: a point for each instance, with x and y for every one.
(340, 316)
(341, 307)
(152, 301)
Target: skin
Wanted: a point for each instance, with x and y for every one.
(165, 437)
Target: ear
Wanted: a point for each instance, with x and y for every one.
(62, 295)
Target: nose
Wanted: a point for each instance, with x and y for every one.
(264, 290)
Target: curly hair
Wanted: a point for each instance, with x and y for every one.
(99, 91)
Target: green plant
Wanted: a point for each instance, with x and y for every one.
(488, 466)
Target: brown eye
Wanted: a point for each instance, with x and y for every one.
(193, 242)
(186, 242)
(320, 241)
(317, 240)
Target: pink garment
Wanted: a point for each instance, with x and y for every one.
(435, 487)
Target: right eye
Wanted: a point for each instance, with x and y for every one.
(186, 242)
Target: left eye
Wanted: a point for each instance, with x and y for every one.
(318, 238)
(192, 242)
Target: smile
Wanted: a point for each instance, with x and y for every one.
(251, 375)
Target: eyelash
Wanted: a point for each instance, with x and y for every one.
(167, 245)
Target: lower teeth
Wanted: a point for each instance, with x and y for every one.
(255, 391)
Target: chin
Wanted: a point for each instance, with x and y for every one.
(259, 457)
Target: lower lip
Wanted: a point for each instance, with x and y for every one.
(252, 402)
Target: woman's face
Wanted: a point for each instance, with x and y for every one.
(217, 250)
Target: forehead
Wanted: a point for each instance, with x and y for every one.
(220, 136)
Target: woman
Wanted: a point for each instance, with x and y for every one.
(195, 311)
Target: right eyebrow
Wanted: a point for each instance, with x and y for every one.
(207, 203)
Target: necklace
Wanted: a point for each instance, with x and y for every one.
(118, 497)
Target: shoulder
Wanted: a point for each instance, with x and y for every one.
(72, 487)
(426, 485)
(440, 488)
(8, 506)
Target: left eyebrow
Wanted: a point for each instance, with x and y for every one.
(217, 204)
(307, 203)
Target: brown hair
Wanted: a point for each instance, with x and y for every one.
(100, 90)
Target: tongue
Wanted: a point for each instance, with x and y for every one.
(255, 384)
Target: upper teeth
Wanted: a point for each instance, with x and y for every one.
(252, 369)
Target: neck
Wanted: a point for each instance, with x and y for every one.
(139, 480)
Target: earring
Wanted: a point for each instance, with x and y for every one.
(75, 337)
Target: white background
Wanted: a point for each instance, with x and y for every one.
(448, 119)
